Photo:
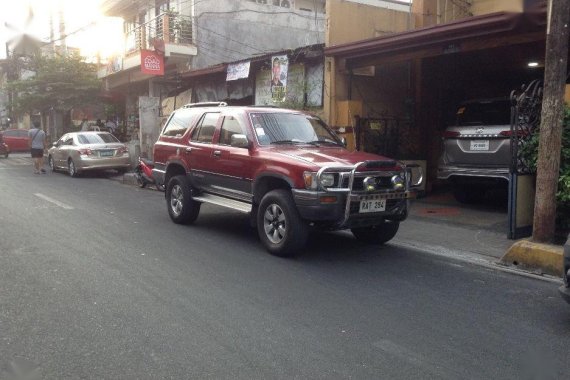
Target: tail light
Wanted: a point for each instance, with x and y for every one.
(509, 133)
(450, 134)
(85, 152)
(122, 150)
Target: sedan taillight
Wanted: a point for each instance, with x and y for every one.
(85, 152)
(450, 134)
(122, 150)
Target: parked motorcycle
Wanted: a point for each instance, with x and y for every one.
(143, 174)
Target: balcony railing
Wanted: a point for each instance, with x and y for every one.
(171, 28)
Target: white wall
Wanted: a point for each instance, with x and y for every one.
(230, 30)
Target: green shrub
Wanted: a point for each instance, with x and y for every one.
(529, 153)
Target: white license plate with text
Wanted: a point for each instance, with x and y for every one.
(375, 205)
(479, 145)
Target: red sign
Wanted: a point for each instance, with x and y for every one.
(152, 63)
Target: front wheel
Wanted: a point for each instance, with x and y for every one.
(279, 225)
(181, 207)
(51, 163)
(378, 234)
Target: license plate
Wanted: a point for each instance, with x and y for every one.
(479, 145)
(376, 205)
(106, 153)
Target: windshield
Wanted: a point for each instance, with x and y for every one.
(97, 138)
(281, 128)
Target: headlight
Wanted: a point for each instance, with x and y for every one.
(327, 180)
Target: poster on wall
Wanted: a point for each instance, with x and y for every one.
(294, 95)
(278, 84)
(152, 63)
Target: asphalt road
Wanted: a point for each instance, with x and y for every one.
(97, 283)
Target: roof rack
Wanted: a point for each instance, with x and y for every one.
(206, 104)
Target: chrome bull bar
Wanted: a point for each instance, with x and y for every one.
(408, 193)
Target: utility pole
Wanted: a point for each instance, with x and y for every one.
(552, 115)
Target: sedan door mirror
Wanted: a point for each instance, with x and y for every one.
(239, 141)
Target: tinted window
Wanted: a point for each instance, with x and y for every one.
(180, 121)
(204, 132)
(484, 113)
(230, 127)
(9, 133)
(22, 133)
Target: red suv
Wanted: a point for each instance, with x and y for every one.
(286, 168)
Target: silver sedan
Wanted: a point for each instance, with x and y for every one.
(82, 151)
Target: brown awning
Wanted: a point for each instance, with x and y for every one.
(442, 36)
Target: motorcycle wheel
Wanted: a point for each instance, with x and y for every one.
(140, 179)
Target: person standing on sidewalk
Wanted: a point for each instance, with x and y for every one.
(37, 146)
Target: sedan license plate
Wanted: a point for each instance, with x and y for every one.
(479, 145)
(372, 206)
(106, 153)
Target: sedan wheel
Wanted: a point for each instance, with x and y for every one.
(72, 169)
(51, 163)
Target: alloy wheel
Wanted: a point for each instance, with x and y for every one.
(274, 223)
(176, 200)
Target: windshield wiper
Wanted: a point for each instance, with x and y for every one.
(319, 142)
(287, 142)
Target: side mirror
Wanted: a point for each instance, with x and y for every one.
(54, 143)
(343, 141)
(239, 141)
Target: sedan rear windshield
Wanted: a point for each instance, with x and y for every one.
(484, 113)
(97, 138)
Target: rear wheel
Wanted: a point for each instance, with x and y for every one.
(279, 225)
(71, 168)
(378, 234)
(181, 207)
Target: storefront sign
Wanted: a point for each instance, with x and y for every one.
(238, 70)
(152, 63)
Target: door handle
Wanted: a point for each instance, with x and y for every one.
(217, 153)
(188, 150)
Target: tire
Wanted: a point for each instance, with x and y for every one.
(71, 169)
(378, 234)
(468, 195)
(140, 180)
(181, 207)
(51, 164)
(279, 225)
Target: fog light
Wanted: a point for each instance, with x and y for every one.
(398, 183)
(369, 183)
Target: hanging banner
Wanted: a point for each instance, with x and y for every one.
(278, 85)
(237, 71)
(152, 63)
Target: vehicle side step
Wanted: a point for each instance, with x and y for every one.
(224, 202)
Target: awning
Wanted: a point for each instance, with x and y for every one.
(444, 37)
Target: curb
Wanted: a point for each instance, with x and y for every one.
(536, 257)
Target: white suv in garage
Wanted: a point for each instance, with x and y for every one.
(476, 148)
